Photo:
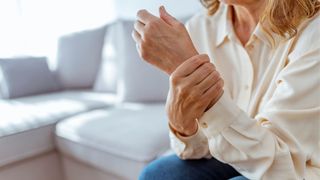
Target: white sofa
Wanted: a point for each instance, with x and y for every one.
(106, 121)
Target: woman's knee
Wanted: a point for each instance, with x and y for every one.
(163, 168)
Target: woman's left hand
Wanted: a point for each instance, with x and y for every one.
(163, 42)
(195, 86)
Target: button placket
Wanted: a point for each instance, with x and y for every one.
(247, 77)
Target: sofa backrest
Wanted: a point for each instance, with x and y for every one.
(136, 81)
(79, 58)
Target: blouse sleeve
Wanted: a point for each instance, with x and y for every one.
(282, 141)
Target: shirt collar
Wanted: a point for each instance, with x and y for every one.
(223, 23)
(268, 37)
(225, 29)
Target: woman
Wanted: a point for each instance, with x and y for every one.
(244, 89)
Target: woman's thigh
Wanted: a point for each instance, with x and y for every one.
(173, 168)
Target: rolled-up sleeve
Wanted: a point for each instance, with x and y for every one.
(280, 140)
(190, 147)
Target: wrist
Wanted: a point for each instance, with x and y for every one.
(185, 131)
(187, 56)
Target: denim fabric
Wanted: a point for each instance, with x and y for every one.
(173, 168)
(239, 178)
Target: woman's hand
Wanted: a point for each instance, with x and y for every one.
(163, 42)
(195, 86)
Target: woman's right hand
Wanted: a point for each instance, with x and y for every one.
(195, 86)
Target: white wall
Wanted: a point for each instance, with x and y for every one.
(31, 27)
(179, 8)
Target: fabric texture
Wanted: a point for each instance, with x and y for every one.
(266, 124)
(107, 76)
(20, 146)
(173, 168)
(26, 76)
(28, 124)
(79, 57)
(23, 114)
(115, 139)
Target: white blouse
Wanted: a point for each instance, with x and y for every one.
(267, 123)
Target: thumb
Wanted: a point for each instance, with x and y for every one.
(164, 15)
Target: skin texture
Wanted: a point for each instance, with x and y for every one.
(195, 84)
(163, 42)
(246, 15)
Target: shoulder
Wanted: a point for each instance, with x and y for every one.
(310, 30)
(308, 37)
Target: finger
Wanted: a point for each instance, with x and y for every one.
(145, 17)
(164, 15)
(190, 65)
(139, 26)
(214, 92)
(208, 82)
(136, 36)
(200, 73)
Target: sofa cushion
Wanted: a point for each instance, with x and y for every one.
(26, 144)
(26, 124)
(121, 140)
(79, 58)
(26, 76)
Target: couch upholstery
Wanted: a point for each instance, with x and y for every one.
(27, 124)
(116, 140)
(97, 134)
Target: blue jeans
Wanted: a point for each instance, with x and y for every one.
(173, 168)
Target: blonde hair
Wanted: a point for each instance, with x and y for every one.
(282, 16)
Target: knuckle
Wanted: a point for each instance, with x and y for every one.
(182, 92)
(221, 83)
(180, 25)
(174, 80)
(215, 75)
(204, 56)
(141, 12)
(197, 62)
(152, 25)
(144, 54)
(207, 68)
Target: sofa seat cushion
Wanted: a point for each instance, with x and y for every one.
(27, 124)
(120, 140)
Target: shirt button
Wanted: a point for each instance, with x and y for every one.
(204, 125)
(250, 47)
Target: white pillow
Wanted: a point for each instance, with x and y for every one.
(138, 81)
(26, 76)
(79, 58)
